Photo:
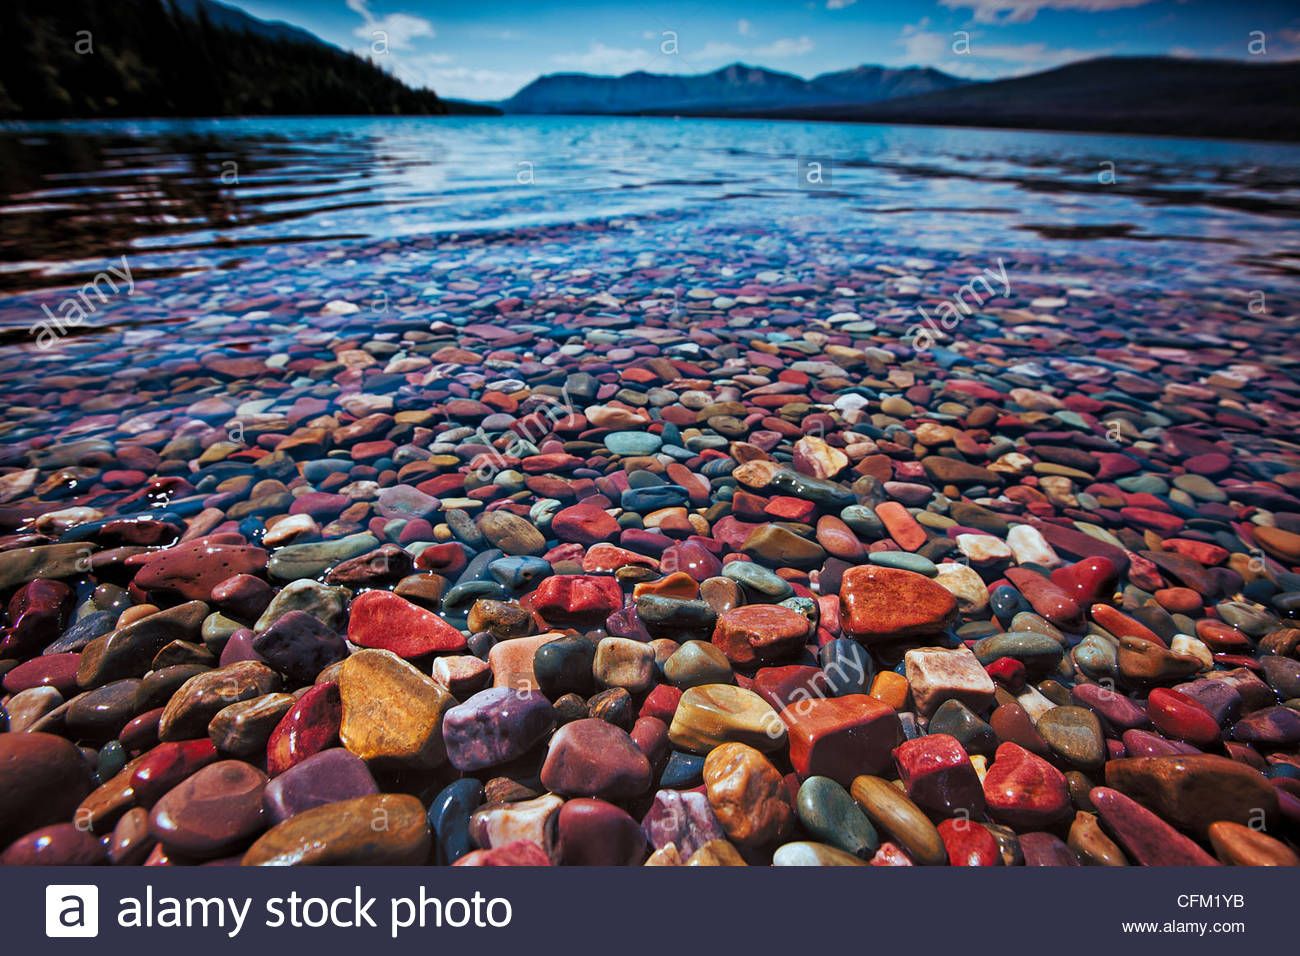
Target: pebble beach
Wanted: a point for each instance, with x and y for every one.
(749, 535)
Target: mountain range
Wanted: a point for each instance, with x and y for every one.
(733, 89)
(206, 58)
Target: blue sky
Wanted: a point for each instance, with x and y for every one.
(488, 49)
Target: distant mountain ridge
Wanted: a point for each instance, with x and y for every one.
(1148, 95)
(738, 88)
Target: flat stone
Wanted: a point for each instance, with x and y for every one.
(344, 834)
(881, 604)
(902, 820)
(392, 714)
(756, 634)
(326, 777)
(1075, 735)
(714, 714)
(198, 700)
(382, 620)
(1193, 791)
(215, 811)
(1144, 837)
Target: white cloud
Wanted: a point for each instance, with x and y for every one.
(839, 4)
(786, 46)
(717, 50)
(396, 29)
(601, 58)
(465, 83)
(1021, 11)
(923, 47)
(744, 27)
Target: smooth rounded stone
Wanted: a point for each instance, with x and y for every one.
(882, 604)
(936, 675)
(384, 621)
(327, 777)
(1038, 652)
(299, 646)
(1046, 849)
(633, 443)
(755, 634)
(1270, 727)
(890, 810)
(512, 534)
(503, 619)
(696, 663)
(621, 662)
(846, 667)
(827, 811)
(666, 616)
(100, 714)
(721, 594)
(511, 662)
(1023, 790)
(713, 714)
(1237, 845)
(519, 572)
(495, 726)
(345, 833)
(242, 729)
(937, 775)
(192, 569)
(130, 843)
(57, 671)
(157, 772)
(1075, 735)
(197, 701)
(904, 561)
(129, 651)
(43, 778)
(681, 819)
(27, 708)
(969, 844)
(597, 833)
(1117, 710)
(498, 824)
(564, 666)
(216, 810)
(325, 603)
(841, 737)
(1282, 674)
(1180, 717)
(593, 758)
(964, 584)
(309, 726)
(758, 580)
(311, 560)
(1142, 663)
(716, 853)
(615, 706)
(449, 815)
(60, 844)
(958, 721)
(392, 715)
(462, 674)
(516, 853)
(682, 771)
(1144, 837)
(575, 599)
(1091, 844)
(1193, 791)
(807, 853)
(747, 795)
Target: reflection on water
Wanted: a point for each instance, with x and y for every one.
(181, 196)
